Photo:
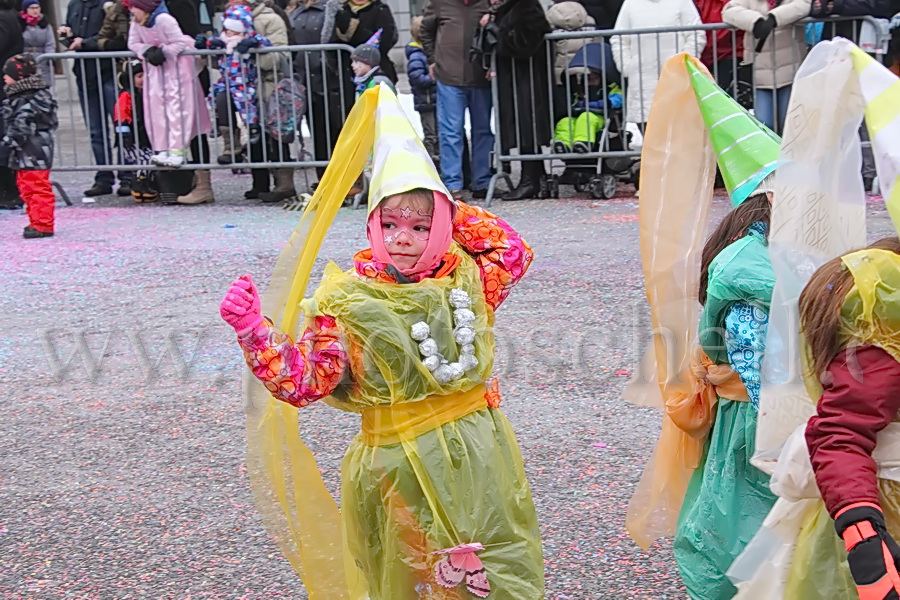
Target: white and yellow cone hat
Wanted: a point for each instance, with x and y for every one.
(400, 162)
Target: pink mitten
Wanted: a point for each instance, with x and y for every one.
(240, 308)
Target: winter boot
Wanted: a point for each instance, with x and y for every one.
(529, 184)
(260, 179)
(284, 187)
(202, 192)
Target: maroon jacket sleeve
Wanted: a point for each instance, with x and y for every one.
(862, 399)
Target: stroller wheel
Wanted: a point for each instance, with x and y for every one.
(604, 187)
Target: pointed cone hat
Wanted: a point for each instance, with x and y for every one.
(746, 150)
(400, 162)
(375, 40)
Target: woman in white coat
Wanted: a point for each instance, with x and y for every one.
(640, 57)
(776, 44)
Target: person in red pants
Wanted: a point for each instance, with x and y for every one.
(29, 111)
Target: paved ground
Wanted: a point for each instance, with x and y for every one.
(121, 477)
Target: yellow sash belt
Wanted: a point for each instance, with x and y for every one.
(393, 423)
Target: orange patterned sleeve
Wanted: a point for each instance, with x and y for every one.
(501, 253)
(298, 373)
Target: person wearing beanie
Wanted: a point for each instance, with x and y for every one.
(172, 95)
(29, 112)
(366, 64)
(37, 36)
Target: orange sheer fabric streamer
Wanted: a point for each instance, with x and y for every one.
(656, 503)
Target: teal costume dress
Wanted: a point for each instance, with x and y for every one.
(728, 498)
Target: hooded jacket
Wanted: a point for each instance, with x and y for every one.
(569, 16)
(29, 112)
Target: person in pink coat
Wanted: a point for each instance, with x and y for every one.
(172, 96)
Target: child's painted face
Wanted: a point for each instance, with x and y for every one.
(34, 11)
(139, 80)
(233, 34)
(405, 229)
(8, 80)
(359, 68)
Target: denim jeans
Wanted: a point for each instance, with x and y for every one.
(452, 104)
(765, 105)
(98, 116)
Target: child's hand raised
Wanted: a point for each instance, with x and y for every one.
(240, 308)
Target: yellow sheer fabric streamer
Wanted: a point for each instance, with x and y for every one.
(677, 173)
(296, 508)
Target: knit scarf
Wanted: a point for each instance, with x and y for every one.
(358, 5)
(29, 20)
(35, 82)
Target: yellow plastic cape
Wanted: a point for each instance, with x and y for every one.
(296, 508)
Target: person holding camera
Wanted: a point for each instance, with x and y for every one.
(96, 89)
(448, 28)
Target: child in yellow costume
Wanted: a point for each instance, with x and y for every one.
(435, 503)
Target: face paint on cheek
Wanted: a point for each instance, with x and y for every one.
(389, 239)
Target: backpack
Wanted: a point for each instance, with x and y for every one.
(284, 109)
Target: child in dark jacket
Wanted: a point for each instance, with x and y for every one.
(131, 132)
(424, 89)
(29, 112)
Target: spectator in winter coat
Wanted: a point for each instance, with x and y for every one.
(776, 44)
(29, 112)
(722, 45)
(113, 34)
(448, 27)
(424, 89)
(523, 73)
(10, 45)
(330, 90)
(38, 37)
(358, 20)
(640, 57)
(96, 89)
(603, 12)
(569, 16)
(171, 90)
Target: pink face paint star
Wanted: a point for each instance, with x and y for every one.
(406, 212)
(389, 239)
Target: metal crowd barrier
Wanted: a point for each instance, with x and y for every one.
(600, 165)
(90, 89)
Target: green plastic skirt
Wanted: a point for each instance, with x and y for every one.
(460, 483)
(725, 504)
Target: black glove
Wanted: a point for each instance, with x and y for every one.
(200, 42)
(763, 27)
(871, 551)
(343, 17)
(246, 44)
(154, 55)
(215, 43)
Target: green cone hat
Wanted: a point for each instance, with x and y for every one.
(746, 150)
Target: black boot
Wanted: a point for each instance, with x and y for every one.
(260, 184)
(530, 183)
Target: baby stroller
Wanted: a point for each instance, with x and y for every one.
(590, 120)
